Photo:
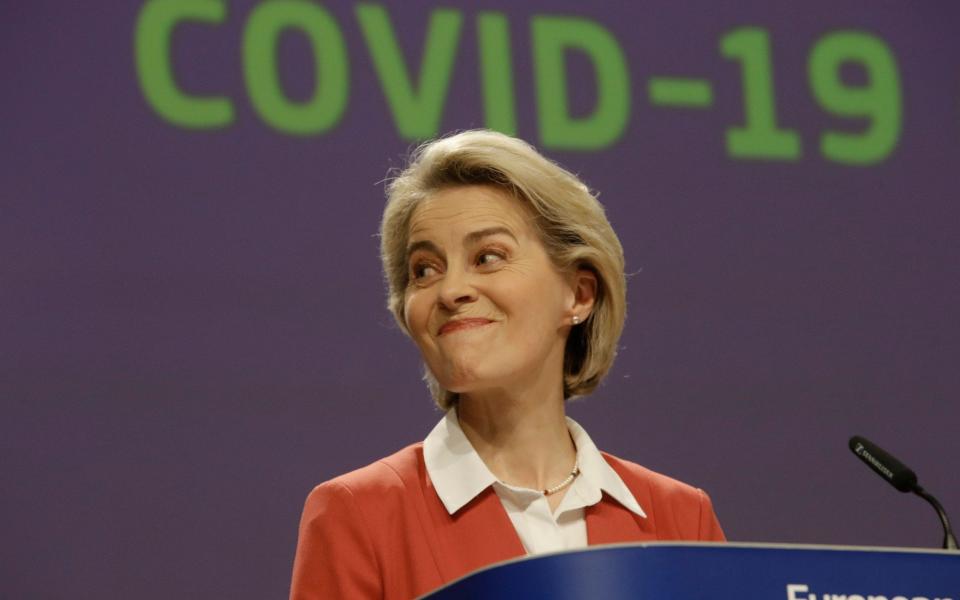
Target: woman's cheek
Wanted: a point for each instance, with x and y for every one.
(410, 307)
(417, 317)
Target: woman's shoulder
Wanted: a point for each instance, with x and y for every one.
(358, 526)
(640, 478)
(382, 478)
(677, 510)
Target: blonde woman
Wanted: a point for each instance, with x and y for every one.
(504, 271)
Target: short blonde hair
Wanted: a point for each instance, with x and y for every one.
(570, 221)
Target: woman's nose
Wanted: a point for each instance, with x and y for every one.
(456, 289)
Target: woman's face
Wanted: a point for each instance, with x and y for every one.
(485, 304)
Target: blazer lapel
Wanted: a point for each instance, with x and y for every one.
(610, 523)
(477, 535)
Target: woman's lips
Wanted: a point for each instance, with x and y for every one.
(458, 324)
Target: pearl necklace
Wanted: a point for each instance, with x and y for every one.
(573, 475)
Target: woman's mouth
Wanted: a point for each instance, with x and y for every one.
(459, 324)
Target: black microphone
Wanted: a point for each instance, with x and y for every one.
(898, 474)
(901, 477)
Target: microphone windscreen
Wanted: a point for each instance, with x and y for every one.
(899, 475)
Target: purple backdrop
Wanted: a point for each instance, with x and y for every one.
(193, 324)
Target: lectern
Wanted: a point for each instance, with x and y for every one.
(688, 571)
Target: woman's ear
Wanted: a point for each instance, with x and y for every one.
(584, 295)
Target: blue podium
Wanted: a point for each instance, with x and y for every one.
(687, 571)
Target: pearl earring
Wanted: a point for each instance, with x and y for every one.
(576, 320)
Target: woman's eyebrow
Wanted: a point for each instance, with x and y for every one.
(471, 238)
(475, 236)
(423, 245)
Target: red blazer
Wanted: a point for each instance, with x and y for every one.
(382, 531)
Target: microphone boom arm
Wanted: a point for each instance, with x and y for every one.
(949, 540)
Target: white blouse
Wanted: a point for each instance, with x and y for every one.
(459, 475)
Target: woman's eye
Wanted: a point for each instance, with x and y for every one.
(489, 258)
(424, 270)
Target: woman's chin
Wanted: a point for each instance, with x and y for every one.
(458, 385)
(463, 380)
(472, 371)
(467, 386)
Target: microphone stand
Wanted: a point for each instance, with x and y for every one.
(949, 541)
(902, 478)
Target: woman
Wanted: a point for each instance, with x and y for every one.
(503, 269)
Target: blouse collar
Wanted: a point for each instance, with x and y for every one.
(459, 474)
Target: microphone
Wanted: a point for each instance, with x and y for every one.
(901, 477)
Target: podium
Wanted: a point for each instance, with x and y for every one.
(687, 571)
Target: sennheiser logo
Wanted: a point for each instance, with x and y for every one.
(861, 451)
